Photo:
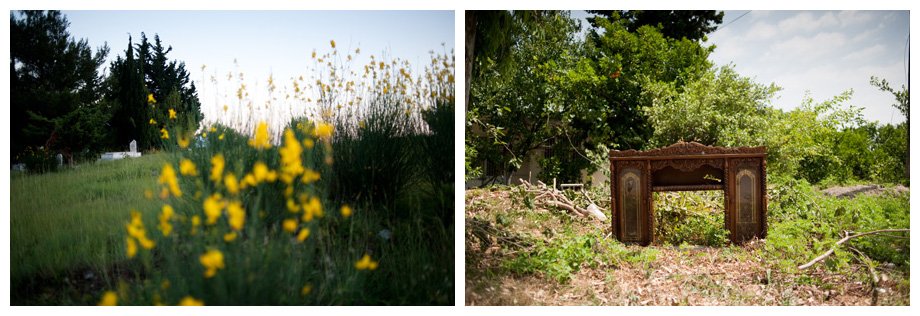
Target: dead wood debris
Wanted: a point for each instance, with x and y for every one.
(846, 238)
(552, 197)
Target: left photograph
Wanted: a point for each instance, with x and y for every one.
(232, 157)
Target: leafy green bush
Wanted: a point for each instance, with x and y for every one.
(38, 160)
(803, 223)
(565, 255)
(690, 217)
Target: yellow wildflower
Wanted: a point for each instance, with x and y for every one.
(308, 143)
(292, 206)
(260, 171)
(109, 299)
(183, 141)
(220, 137)
(168, 178)
(172, 114)
(164, 217)
(164, 134)
(164, 193)
(236, 215)
(229, 237)
(260, 140)
(148, 194)
(225, 108)
(217, 167)
(312, 209)
(289, 225)
(136, 230)
(332, 43)
(291, 163)
(204, 135)
(190, 301)
(153, 122)
(304, 233)
(366, 263)
(306, 289)
(146, 243)
(213, 129)
(346, 211)
(150, 99)
(212, 261)
(131, 246)
(323, 130)
(196, 221)
(232, 185)
(212, 208)
(248, 181)
(187, 168)
(309, 176)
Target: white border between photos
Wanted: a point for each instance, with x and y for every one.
(459, 6)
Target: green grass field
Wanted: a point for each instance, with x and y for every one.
(68, 232)
(73, 221)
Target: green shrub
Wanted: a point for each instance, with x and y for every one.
(690, 217)
(38, 160)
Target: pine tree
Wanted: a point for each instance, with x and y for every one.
(55, 87)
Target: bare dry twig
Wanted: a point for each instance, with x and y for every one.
(552, 197)
(846, 238)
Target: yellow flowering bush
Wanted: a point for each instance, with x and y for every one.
(248, 216)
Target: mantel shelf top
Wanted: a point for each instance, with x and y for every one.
(681, 148)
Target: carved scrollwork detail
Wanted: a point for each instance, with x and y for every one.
(686, 165)
(688, 148)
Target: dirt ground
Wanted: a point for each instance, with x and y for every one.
(851, 191)
(678, 276)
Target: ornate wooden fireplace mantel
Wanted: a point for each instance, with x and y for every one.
(740, 172)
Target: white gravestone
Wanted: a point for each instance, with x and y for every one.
(133, 146)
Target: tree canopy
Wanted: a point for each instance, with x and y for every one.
(55, 87)
(563, 96)
(60, 102)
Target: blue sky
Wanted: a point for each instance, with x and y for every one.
(824, 52)
(266, 42)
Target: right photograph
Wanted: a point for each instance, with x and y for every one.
(623, 157)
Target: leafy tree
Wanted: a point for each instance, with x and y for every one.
(720, 108)
(487, 36)
(55, 87)
(903, 98)
(567, 94)
(514, 105)
(677, 24)
(146, 86)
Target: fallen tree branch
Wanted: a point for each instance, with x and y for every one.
(552, 197)
(846, 238)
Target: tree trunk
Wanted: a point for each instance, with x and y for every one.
(470, 42)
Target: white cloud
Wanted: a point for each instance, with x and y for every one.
(865, 55)
(806, 22)
(809, 48)
(822, 52)
(762, 31)
(853, 18)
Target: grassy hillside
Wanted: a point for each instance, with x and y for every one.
(73, 221)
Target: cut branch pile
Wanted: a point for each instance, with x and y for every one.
(551, 197)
